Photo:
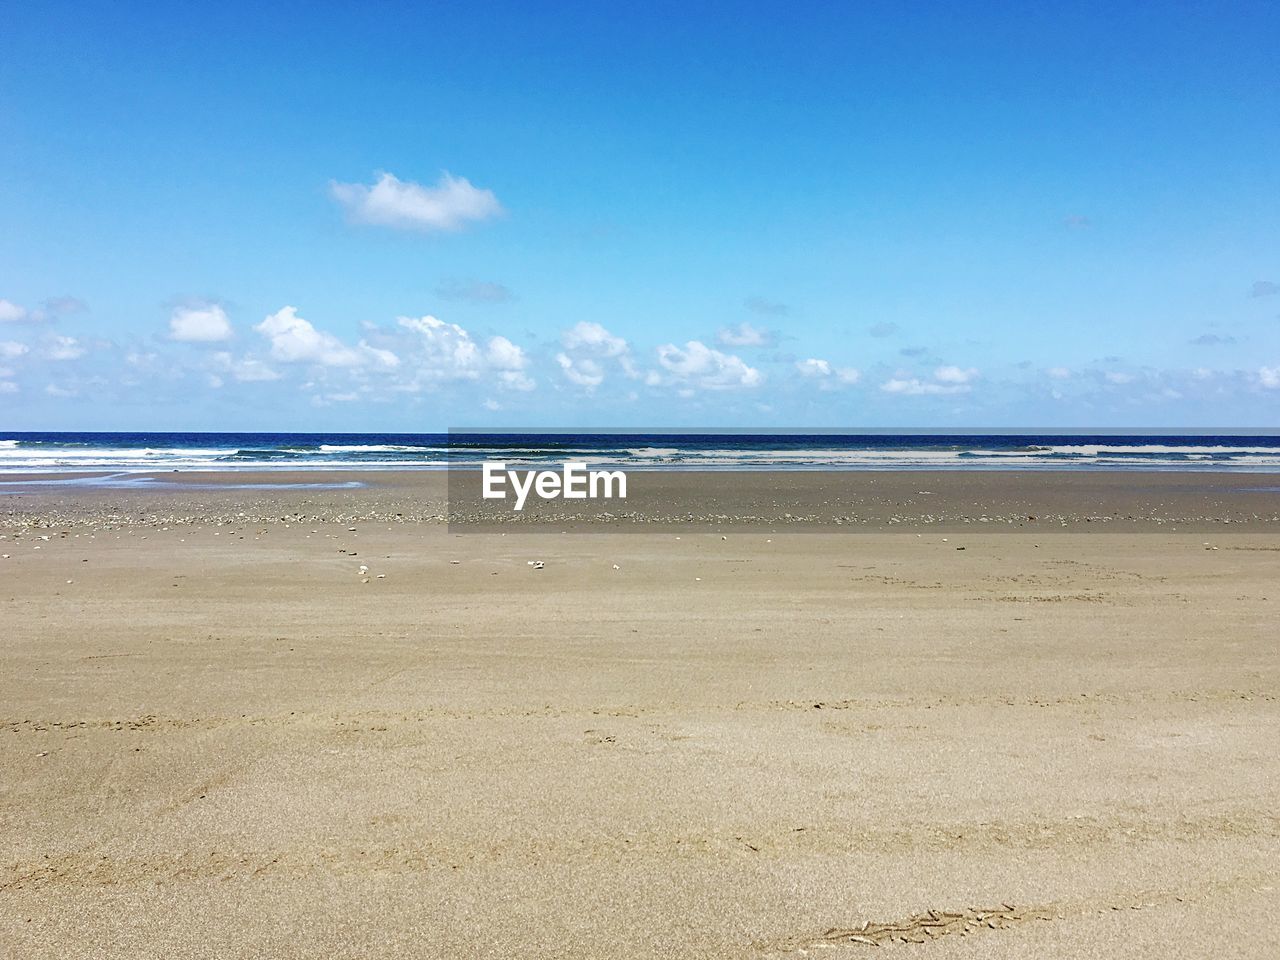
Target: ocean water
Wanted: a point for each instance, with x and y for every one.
(136, 452)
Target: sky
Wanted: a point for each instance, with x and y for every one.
(410, 217)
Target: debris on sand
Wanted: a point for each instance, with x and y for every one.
(923, 927)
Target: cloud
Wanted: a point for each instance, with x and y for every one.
(11, 312)
(582, 371)
(390, 202)
(821, 370)
(955, 374)
(1260, 288)
(448, 348)
(505, 355)
(744, 335)
(205, 323)
(813, 368)
(475, 291)
(295, 340)
(915, 387)
(1077, 222)
(594, 338)
(882, 329)
(51, 309)
(7, 386)
(587, 346)
(1118, 378)
(914, 351)
(65, 348)
(508, 361)
(697, 365)
(446, 351)
(768, 308)
(11, 349)
(1269, 377)
(1210, 340)
(946, 380)
(1058, 373)
(246, 370)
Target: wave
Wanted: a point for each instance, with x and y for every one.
(155, 452)
(373, 448)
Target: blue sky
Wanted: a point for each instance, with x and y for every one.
(410, 217)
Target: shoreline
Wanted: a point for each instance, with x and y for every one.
(837, 500)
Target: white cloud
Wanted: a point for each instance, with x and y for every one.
(1269, 377)
(946, 380)
(813, 368)
(51, 309)
(11, 312)
(1119, 378)
(9, 387)
(505, 355)
(827, 375)
(587, 347)
(448, 352)
(377, 356)
(11, 349)
(1058, 373)
(594, 338)
(515, 380)
(955, 374)
(914, 387)
(65, 348)
(245, 369)
(744, 335)
(509, 361)
(582, 371)
(295, 340)
(391, 202)
(697, 365)
(206, 323)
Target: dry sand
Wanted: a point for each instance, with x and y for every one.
(220, 739)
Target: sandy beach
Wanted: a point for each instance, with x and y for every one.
(989, 715)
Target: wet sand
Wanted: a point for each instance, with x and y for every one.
(800, 500)
(222, 738)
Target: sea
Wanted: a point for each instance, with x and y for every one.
(719, 450)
